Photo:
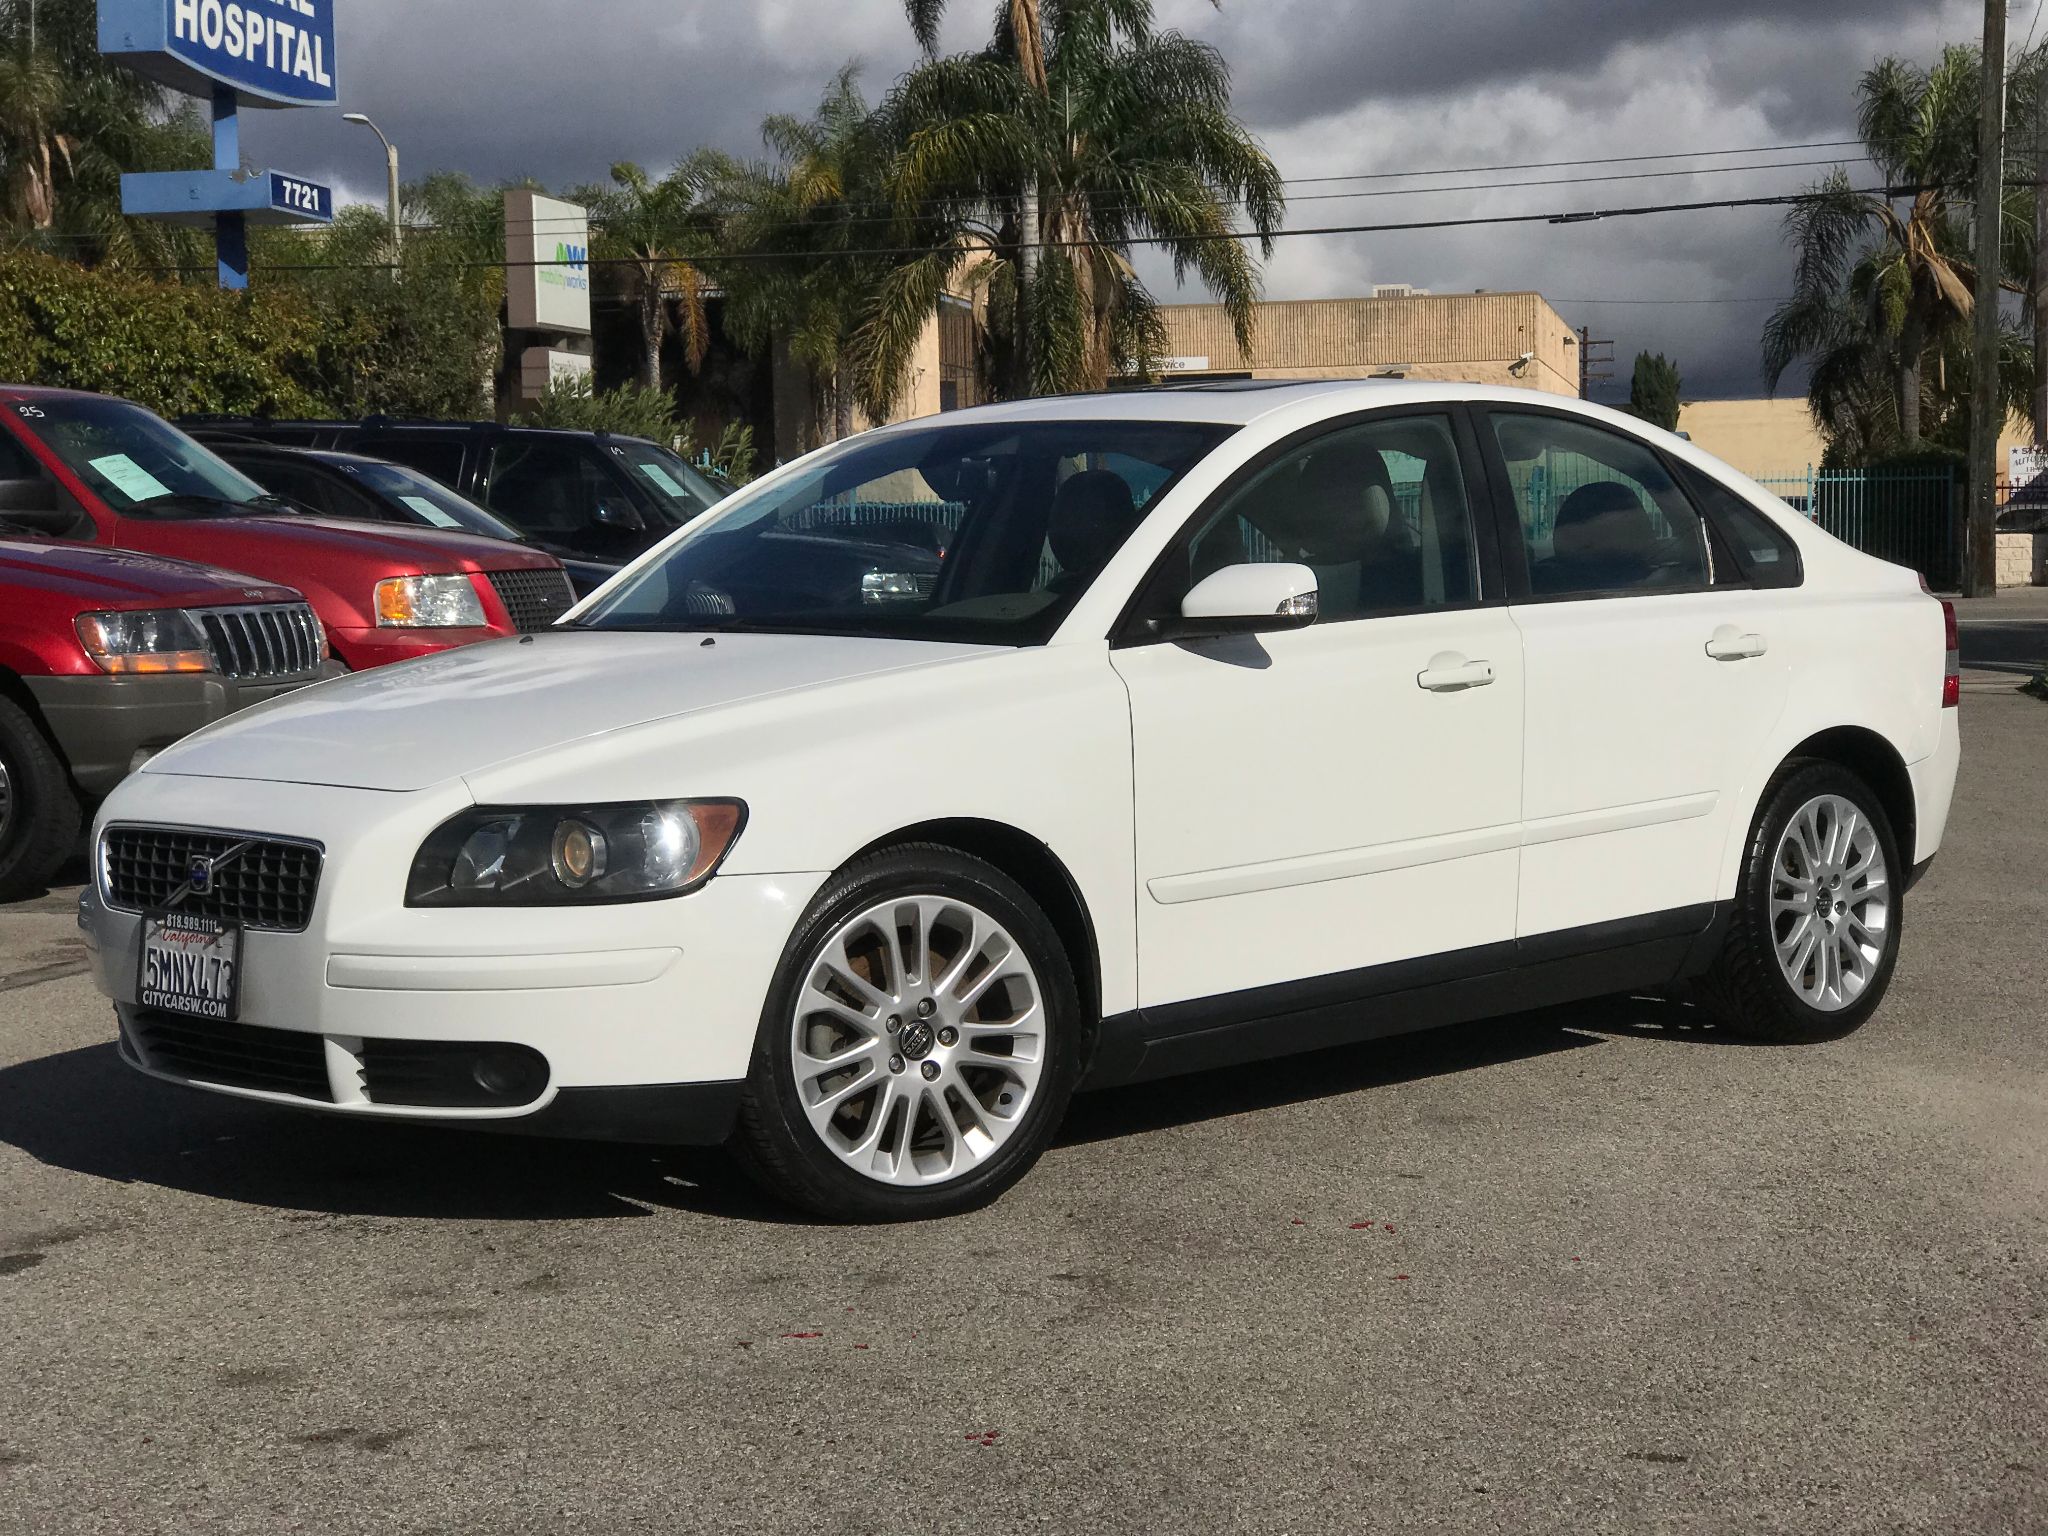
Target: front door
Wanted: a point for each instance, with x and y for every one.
(1347, 795)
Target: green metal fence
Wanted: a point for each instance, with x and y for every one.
(1911, 517)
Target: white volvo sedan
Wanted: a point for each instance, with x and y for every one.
(1052, 745)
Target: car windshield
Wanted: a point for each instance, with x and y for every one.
(683, 492)
(983, 532)
(138, 462)
(427, 501)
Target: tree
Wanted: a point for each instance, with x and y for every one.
(1079, 130)
(657, 232)
(70, 124)
(818, 269)
(1653, 390)
(1883, 291)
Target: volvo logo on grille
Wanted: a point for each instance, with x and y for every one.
(202, 870)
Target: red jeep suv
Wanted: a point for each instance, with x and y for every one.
(108, 657)
(98, 470)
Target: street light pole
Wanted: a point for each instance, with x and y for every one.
(1980, 542)
(391, 169)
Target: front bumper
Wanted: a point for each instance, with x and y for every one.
(106, 726)
(644, 1014)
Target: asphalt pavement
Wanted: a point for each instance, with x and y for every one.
(1598, 1268)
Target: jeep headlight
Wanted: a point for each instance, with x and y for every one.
(555, 855)
(429, 602)
(147, 640)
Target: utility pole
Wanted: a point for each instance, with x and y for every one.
(1588, 375)
(1980, 546)
(2040, 261)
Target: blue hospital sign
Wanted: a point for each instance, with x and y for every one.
(277, 53)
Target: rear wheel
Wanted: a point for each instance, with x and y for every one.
(39, 813)
(919, 1045)
(1815, 933)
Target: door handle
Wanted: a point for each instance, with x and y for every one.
(1731, 644)
(1452, 673)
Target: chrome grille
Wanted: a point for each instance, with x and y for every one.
(534, 597)
(267, 883)
(271, 641)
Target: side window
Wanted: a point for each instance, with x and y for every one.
(1765, 551)
(16, 463)
(1378, 511)
(1598, 511)
(439, 457)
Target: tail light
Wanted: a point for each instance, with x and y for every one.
(1952, 663)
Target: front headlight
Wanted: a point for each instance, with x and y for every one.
(152, 640)
(429, 602)
(557, 855)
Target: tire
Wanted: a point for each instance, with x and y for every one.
(996, 1047)
(1752, 988)
(39, 812)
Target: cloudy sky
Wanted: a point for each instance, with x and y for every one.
(559, 89)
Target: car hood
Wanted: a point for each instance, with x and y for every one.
(118, 579)
(454, 714)
(288, 542)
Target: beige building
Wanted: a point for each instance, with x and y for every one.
(1481, 338)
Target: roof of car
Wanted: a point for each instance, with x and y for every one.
(1238, 402)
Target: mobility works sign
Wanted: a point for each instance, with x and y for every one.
(547, 265)
(276, 53)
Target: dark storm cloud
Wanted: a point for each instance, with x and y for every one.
(1299, 59)
(560, 89)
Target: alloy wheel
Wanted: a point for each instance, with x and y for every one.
(918, 1039)
(1831, 903)
(6, 803)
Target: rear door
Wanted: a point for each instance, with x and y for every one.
(1331, 799)
(1652, 678)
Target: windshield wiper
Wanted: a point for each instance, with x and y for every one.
(192, 501)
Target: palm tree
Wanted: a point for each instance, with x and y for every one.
(656, 233)
(815, 227)
(32, 148)
(1882, 289)
(1078, 131)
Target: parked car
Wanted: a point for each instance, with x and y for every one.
(1237, 721)
(98, 470)
(356, 488)
(595, 495)
(107, 657)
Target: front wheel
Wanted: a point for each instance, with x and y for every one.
(919, 1044)
(39, 813)
(1815, 931)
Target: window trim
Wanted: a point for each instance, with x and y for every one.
(1752, 576)
(1128, 631)
(1508, 516)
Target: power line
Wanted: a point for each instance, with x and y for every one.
(570, 226)
(1556, 165)
(1582, 216)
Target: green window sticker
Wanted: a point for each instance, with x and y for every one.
(130, 478)
(662, 478)
(430, 512)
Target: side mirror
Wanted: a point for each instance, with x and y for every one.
(621, 515)
(1250, 600)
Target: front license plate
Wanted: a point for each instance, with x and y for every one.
(190, 965)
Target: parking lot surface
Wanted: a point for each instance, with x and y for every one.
(1594, 1269)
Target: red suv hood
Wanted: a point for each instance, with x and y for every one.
(96, 578)
(271, 546)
